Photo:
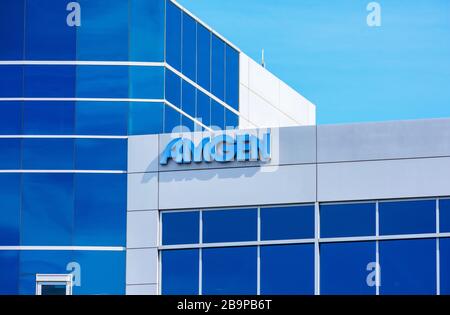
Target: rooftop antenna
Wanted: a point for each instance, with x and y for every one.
(263, 62)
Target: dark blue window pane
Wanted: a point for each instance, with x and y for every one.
(407, 217)
(230, 225)
(10, 186)
(102, 272)
(287, 269)
(172, 119)
(188, 105)
(101, 118)
(10, 118)
(180, 272)
(444, 254)
(231, 120)
(47, 210)
(344, 268)
(173, 35)
(9, 272)
(11, 29)
(102, 82)
(47, 36)
(173, 88)
(146, 118)
(48, 154)
(11, 81)
(101, 154)
(203, 57)
(444, 215)
(344, 220)
(203, 108)
(189, 47)
(48, 118)
(10, 157)
(232, 78)
(180, 228)
(408, 266)
(147, 30)
(217, 115)
(100, 209)
(33, 262)
(147, 82)
(229, 270)
(281, 223)
(49, 81)
(218, 67)
(103, 34)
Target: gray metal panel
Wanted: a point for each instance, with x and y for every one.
(142, 191)
(143, 153)
(290, 145)
(237, 186)
(385, 140)
(142, 266)
(384, 179)
(143, 289)
(142, 229)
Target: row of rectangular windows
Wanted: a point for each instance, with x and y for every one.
(298, 222)
(384, 267)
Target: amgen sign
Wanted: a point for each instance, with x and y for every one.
(222, 148)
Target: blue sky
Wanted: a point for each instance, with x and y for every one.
(352, 72)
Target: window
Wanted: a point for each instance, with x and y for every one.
(444, 254)
(146, 118)
(188, 105)
(287, 269)
(9, 272)
(49, 81)
(54, 284)
(344, 268)
(408, 266)
(172, 119)
(180, 272)
(444, 215)
(231, 119)
(10, 199)
(100, 209)
(47, 209)
(407, 217)
(101, 118)
(11, 81)
(232, 77)
(203, 108)
(11, 118)
(173, 35)
(283, 223)
(10, 157)
(147, 82)
(231, 270)
(146, 30)
(217, 115)
(189, 47)
(104, 31)
(203, 57)
(12, 29)
(230, 225)
(180, 227)
(173, 88)
(102, 81)
(218, 67)
(47, 36)
(48, 118)
(346, 220)
(48, 154)
(101, 154)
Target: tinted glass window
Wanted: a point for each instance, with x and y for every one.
(345, 220)
(407, 217)
(218, 67)
(230, 225)
(146, 118)
(147, 82)
(280, 223)
(49, 81)
(172, 119)
(188, 105)
(173, 88)
(100, 209)
(444, 215)
(189, 57)
(48, 118)
(9, 272)
(10, 187)
(47, 210)
(232, 77)
(231, 119)
(102, 81)
(229, 270)
(180, 228)
(101, 118)
(10, 157)
(344, 268)
(444, 254)
(12, 29)
(101, 154)
(287, 269)
(11, 118)
(48, 154)
(180, 271)
(203, 108)
(173, 35)
(217, 115)
(11, 81)
(408, 266)
(203, 57)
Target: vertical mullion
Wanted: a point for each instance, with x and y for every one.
(438, 254)
(200, 254)
(258, 261)
(377, 250)
(316, 249)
